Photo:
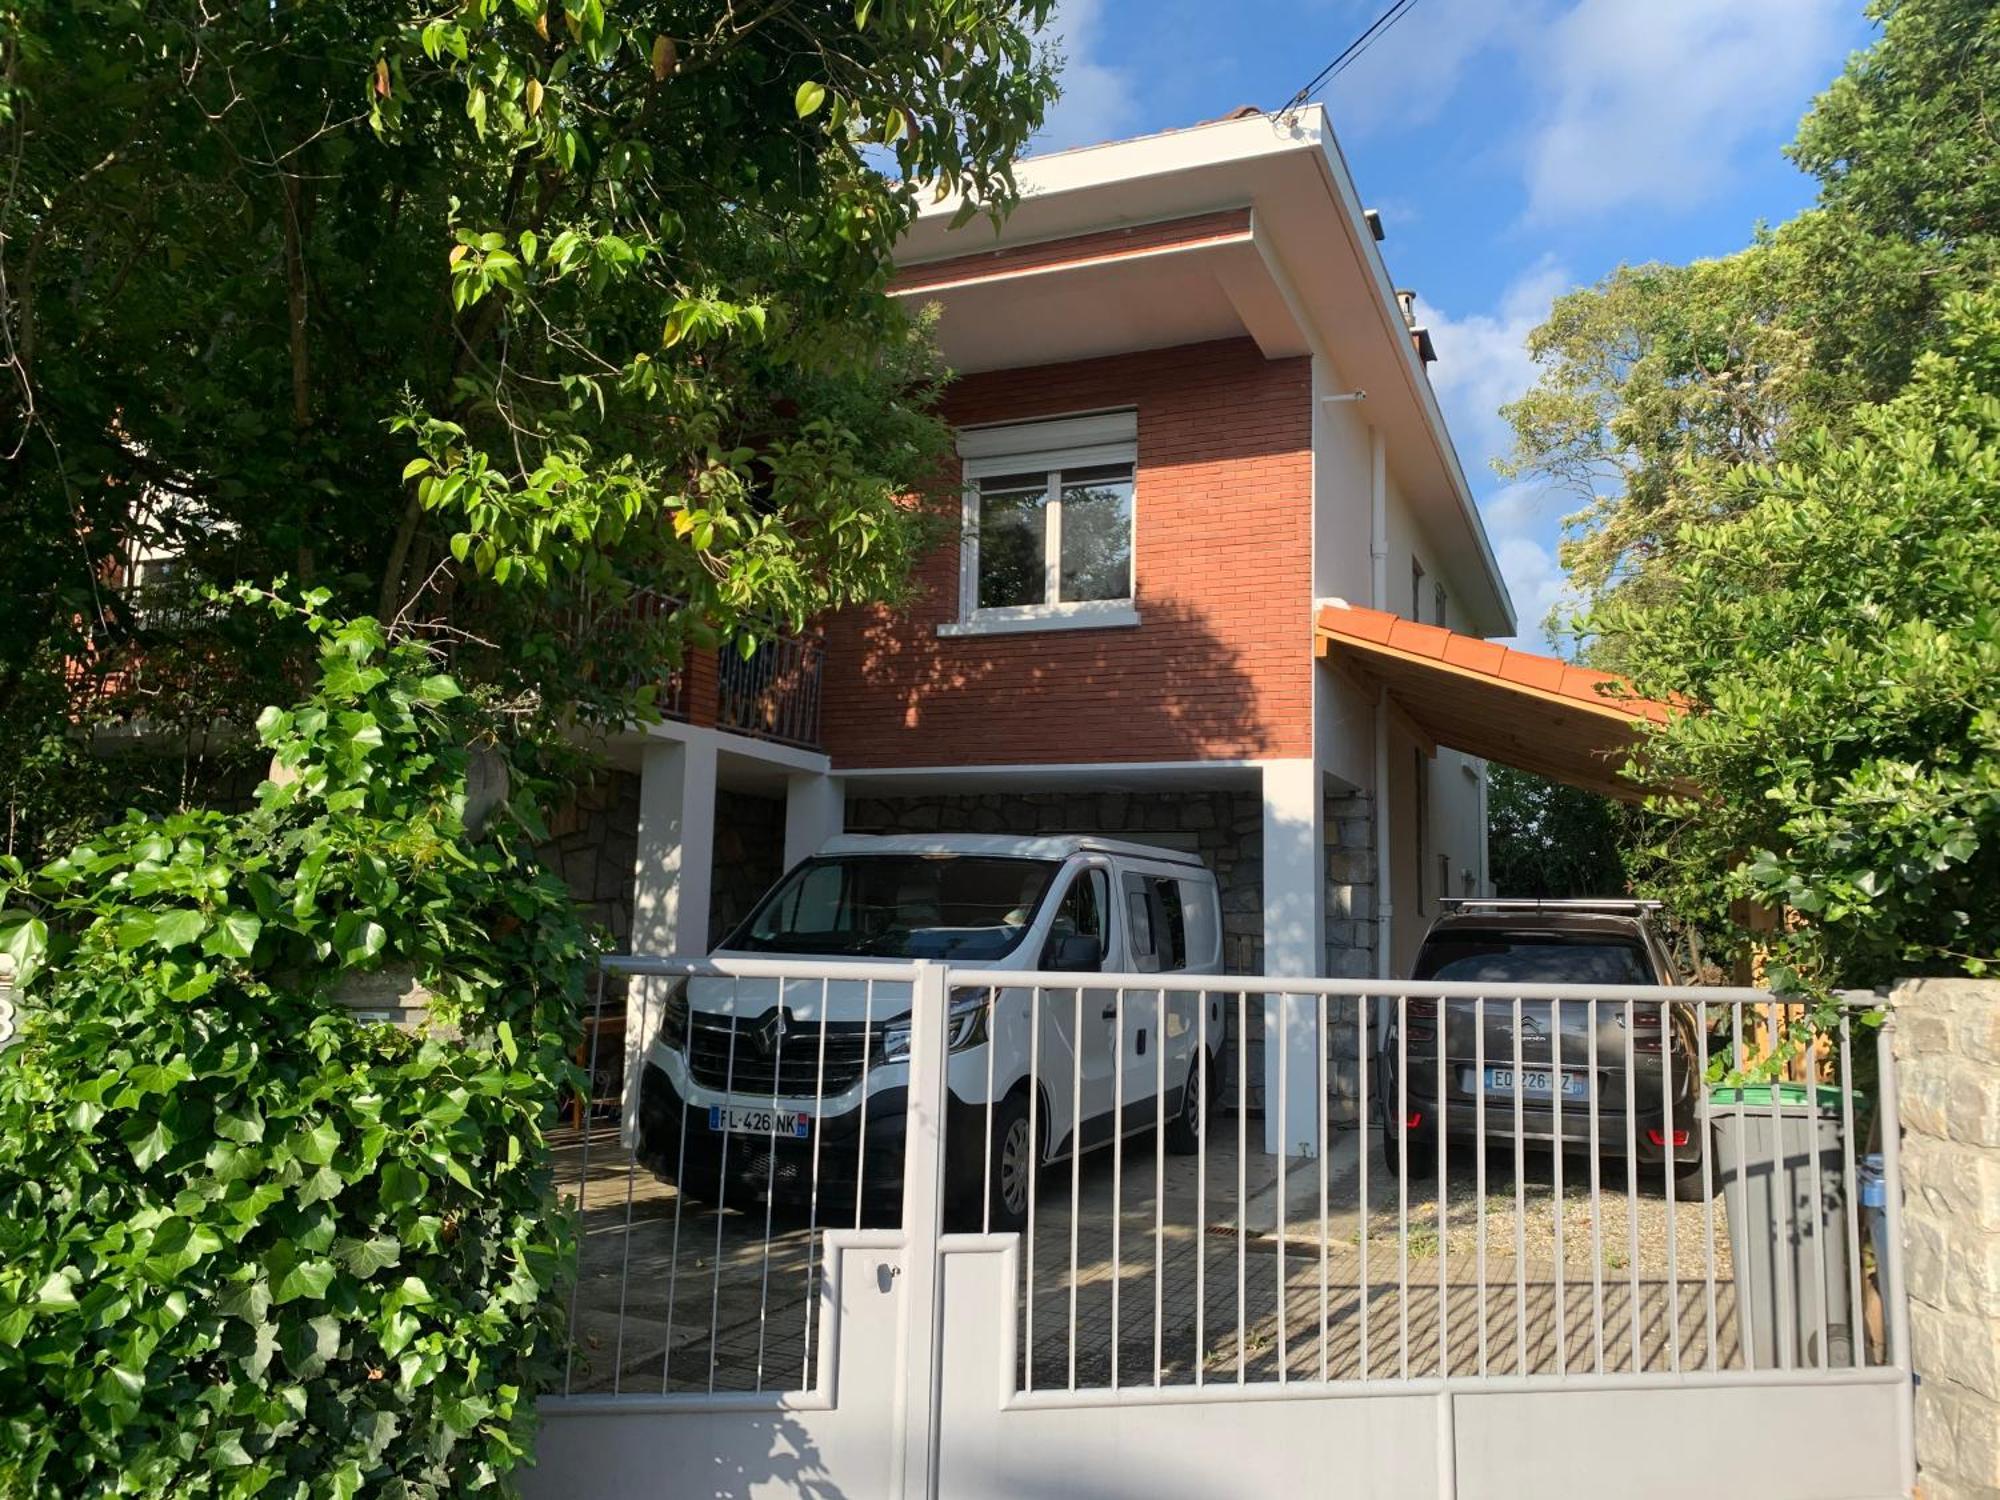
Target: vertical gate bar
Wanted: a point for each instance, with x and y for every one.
(1242, 1185)
(1444, 1189)
(1159, 1178)
(722, 1181)
(1520, 1210)
(625, 1259)
(1117, 1168)
(1786, 1224)
(1034, 1169)
(1556, 1168)
(680, 1198)
(1075, 1162)
(588, 1085)
(1817, 1215)
(1201, 1200)
(1596, 1200)
(1363, 1291)
(915, 1473)
(1746, 1296)
(1320, 1061)
(1857, 1334)
(986, 1156)
(1707, 1183)
(1632, 1192)
(1479, 1159)
(812, 1203)
(1284, 1156)
(1403, 1185)
(770, 1183)
(1896, 1316)
(1669, 1171)
(867, 1057)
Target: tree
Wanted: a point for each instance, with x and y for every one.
(1838, 638)
(487, 320)
(1659, 379)
(1550, 840)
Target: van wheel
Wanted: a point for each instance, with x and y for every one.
(1184, 1129)
(1422, 1151)
(1012, 1167)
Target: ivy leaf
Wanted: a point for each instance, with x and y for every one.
(178, 928)
(148, 1140)
(315, 1147)
(249, 1301)
(364, 1257)
(309, 1278)
(357, 938)
(309, 1346)
(234, 936)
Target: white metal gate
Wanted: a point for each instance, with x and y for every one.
(812, 1316)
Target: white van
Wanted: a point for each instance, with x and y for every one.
(757, 1085)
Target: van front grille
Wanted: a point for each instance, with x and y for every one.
(768, 1059)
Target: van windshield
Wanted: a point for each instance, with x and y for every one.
(961, 906)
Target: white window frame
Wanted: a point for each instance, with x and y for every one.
(1064, 443)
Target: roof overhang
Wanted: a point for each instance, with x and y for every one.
(1124, 246)
(1535, 712)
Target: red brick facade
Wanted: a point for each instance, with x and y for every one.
(1220, 666)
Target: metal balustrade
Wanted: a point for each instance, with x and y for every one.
(1438, 1242)
(774, 693)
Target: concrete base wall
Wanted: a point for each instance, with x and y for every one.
(1948, 1056)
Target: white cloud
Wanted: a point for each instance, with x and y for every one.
(1521, 523)
(1482, 365)
(1097, 102)
(1650, 101)
(1483, 361)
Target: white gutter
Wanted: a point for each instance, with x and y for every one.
(1378, 555)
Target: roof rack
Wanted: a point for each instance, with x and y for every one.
(1537, 903)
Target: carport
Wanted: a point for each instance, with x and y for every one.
(1536, 712)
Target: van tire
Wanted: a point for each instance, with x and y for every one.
(1012, 1174)
(1184, 1129)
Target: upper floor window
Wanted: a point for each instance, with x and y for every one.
(1048, 525)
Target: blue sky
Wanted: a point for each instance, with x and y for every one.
(1515, 148)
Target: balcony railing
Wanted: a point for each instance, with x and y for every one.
(774, 693)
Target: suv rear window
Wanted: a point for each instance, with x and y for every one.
(1532, 958)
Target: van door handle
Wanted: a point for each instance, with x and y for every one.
(1111, 1012)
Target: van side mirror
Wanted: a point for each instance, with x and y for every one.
(1074, 952)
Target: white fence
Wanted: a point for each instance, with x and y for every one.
(838, 1239)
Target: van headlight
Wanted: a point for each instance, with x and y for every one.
(674, 1016)
(965, 1024)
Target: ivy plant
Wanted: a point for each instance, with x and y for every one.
(251, 1244)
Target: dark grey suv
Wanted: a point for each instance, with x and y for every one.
(1535, 1049)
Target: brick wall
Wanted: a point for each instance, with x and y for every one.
(1220, 666)
(1948, 1056)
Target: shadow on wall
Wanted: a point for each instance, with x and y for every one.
(1172, 688)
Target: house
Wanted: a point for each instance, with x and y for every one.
(1205, 476)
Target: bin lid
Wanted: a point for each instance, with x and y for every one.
(1787, 1096)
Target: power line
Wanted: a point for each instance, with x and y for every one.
(1353, 49)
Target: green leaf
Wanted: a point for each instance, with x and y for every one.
(316, 1146)
(148, 1140)
(364, 1257)
(415, 467)
(176, 929)
(56, 1293)
(508, 1048)
(309, 1278)
(809, 98)
(438, 688)
(235, 935)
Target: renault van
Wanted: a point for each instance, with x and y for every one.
(758, 1088)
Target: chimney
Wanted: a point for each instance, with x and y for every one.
(1420, 336)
